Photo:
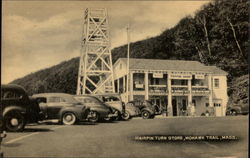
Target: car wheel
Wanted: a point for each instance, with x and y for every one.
(233, 113)
(145, 115)
(68, 118)
(14, 121)
(94, 117)
(126, 115)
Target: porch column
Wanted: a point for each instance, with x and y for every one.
(210, 98)
(124, 84)
(170, 108)
(131, 89)
(190, 93)
(118, 85)
(146, 85)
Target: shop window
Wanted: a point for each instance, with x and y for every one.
(184, 82)
(216, 83)
(194, 102)
(155, 81)
(207, 104)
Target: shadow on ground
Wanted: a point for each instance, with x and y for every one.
(11, 145)
(27, 130)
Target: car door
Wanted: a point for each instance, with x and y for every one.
(54, 105)
(42, 102)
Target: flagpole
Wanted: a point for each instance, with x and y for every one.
(128, 53)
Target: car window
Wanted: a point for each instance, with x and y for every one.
(137, 103)
(11, 95)
(110, 99)
(56, 100)
(41, 100)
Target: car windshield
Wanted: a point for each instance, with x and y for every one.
(148, 103)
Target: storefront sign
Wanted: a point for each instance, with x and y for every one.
(157, 75)
(139, 86)
(180, 76)
(199, 76)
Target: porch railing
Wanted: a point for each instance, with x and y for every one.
(157, 89)
(200, 90)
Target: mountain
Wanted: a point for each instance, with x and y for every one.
(59, 78)
(216, 35)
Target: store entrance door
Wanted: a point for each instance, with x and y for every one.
(157, 100)
(174, 106)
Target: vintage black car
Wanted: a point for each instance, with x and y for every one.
(146, 108)
(17, 108)
(63, 107)
(99, 110)
(2, 135)
(238, 109)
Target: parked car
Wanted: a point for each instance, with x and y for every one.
(98, 109)
(17, 108)
(113, 100)
(2, 135)
(131, 111)
(238, 109)
(63, 107)
(147, 110)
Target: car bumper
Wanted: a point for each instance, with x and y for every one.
(112, 115)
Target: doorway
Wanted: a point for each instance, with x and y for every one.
(174, 106)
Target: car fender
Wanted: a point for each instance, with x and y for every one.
(149, 110)
(103, 112)
(116, 105)
(131, 112)
(14, 108)
(76, 110)
(237, 109)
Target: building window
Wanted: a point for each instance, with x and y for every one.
(216, 83)
(217, 104)
(155, 81)
(207, 104)
(120, 66)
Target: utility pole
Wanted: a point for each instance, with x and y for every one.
(95, 68)
(128, 53)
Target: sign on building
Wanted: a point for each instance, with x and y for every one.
(180, 76)
(199, 76)
(157, 75)
(139, 86)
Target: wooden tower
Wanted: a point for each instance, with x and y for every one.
(95, 68)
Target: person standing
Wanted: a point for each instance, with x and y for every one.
(192, 110)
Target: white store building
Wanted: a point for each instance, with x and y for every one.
(178, 83)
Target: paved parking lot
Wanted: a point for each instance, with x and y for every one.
(116, 139)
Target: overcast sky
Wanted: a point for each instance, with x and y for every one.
(39, 34)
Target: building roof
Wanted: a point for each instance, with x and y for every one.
(217, 70)
(175, 65)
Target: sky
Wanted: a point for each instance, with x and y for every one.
(40, 34)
